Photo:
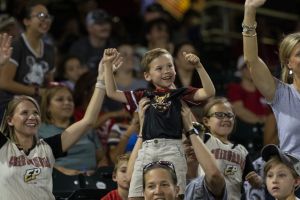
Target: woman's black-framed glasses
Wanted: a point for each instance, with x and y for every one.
(43, 16)
(161, 163)
(222, 115)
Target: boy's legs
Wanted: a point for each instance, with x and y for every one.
(154, 150)
(172, 150)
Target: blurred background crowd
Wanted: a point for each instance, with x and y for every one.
(80, 30)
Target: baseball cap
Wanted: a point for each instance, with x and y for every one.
(5, 20)
(98, 16)
(272, 150)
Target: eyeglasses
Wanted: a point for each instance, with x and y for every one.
(222, 115)
(161, 163)
(43, 16)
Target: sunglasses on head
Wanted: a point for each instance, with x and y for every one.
(222, 115)
(161, 163)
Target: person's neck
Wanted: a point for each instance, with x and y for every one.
(296, 83)
(185, 76)
(96, 42)
(224, 139)
(34, 40)
(290, 197)
(61, 123)
(24, 142)
(123, 193)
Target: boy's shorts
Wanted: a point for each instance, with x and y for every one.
(156, 150)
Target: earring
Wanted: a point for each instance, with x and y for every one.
(290, 72)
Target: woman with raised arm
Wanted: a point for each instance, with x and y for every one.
(26, 162)
(283, 95)
(31, 64)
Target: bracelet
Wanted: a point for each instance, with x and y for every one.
(247, 29)
(139, 136)
(248, 34)
(191, 132)
(100, 84)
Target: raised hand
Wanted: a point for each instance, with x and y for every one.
(109, 55)
(112, 56)
(254, 3)
(5, 48)
(191, 58)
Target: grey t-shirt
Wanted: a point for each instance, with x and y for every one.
(197, 190)
(286, 108)
(31, 69)
(81, 156)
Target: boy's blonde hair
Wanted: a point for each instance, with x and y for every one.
(275, 160)
(150, 56)
(121, 158)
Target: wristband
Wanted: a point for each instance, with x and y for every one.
(191, 132)
(100, 84)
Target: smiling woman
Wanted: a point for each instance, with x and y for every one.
(26, 161)
(32, 60)
(160, 181)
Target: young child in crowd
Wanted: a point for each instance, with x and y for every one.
(282, 173)
(70, 70)
(119, 176)
(232, 159)
(162, 130)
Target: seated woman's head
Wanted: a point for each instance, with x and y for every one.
(282, 172)
(160, 181)
(57, 104)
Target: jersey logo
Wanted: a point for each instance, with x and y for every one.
(230, 170)
(161, 103)
(31, 174)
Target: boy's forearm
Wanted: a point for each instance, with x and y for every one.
(109, 79)
(111, 88)
(207, 83)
